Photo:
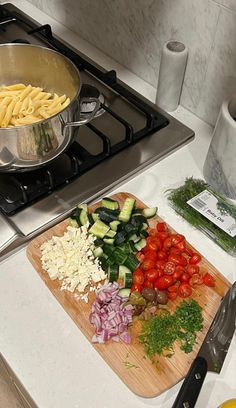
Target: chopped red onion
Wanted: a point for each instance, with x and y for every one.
(110, 315)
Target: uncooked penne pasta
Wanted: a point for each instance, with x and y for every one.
(22, 104)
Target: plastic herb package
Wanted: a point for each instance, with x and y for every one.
(206, 210)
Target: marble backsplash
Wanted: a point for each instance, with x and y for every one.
(134, 31)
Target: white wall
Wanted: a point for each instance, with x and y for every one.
(134, 31)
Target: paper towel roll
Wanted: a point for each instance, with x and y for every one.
(171, 75)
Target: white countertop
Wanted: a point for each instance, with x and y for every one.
(48, 353)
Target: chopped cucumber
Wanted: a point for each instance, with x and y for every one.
(108, 249)
(140, 244)
(124, 292)
(95, 216)
(127, 209)
(119, 256)
(112, 273)
(107, 215)
(83, 206)
(109, 203)
(104, 263)
(99, 229)
(98, 251)
(120, 237)
(110, 234)
(128, 280)
(82, 218)
(73, 222)
(109, 241)
(149, 212)
(123, 270)
(114, 225)
(131, 262)
(98, 242)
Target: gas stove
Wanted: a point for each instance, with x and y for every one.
(128, 134)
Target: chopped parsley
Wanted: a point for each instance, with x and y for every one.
(161, 332)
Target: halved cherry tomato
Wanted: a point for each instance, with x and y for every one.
(160, 273)
(136, 287)
(184, 290)
(209, 280)
(169, 268)
(147, 264)
(161, 227)
(195, 259)
(175, 251)
(196, 279)
(164, 282)
(160, 264)
(173, 288)
(179, 270)
(138, 276)
(151, 275)
(167, 243)
(140, 256)
(175, 258)
(176, 238)
(150, 254)
(181, 245)
(154, 243)
(184, 277)
(163, 235)
(191, 269)
(161, 254)
(147, 284)
(172, 295)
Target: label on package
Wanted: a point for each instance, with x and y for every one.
(209, 206)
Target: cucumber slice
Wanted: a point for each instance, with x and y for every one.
(119, 256)
(123, 270)
(83, 217)
(127, 209)
(73, 223)
(128, 280)
(107, 215)
(149, 212)
(120, 237)
(114, 225)
(99, 229)
(108, 249)
(112, 273)
(124, 292)
(83, 206)
(109, 241)
(140, 244)
(98, 242)
(95, 216)
(109, 203)
(110, 234)
(98, 252)
(131, 262)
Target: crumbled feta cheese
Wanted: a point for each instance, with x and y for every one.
(70, 259)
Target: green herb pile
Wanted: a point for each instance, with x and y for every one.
(159, 333)
(178, 198)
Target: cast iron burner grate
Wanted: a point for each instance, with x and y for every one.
(18, 190)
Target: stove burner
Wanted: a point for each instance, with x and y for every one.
(87, 107)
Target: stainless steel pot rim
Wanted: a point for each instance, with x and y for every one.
(63, 110)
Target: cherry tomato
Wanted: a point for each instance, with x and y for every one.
(163, 235)
(175, 251)
(160, 273)
(160, 264)
(196, 279)
(161, 227)
(188, 250)
(164, 282)
(195, 259)
(162, 255)
(179, 270)
(181, 245)
(208, 280)
(184, 277)
(175, 258)
(191, 269)
(148, 264)
(154, 243)
(140, 256)
(147, 284)
(184, 290)
(150, 254)
(167, 243)
(176, 238)
(151, 275)
(173, 288)
(152, 232)
(169, 268)
(138, 276)
(172, 295)
(136, 287)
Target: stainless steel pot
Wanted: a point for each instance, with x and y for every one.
(27, 147)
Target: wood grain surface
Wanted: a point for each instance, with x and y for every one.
(145, 378)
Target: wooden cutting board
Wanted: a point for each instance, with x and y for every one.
(143, 377)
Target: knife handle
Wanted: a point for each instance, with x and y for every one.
(188, 394)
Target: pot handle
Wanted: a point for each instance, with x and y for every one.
(88, 117)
